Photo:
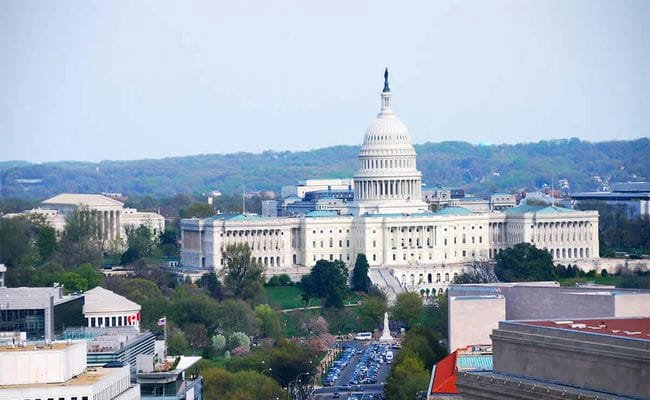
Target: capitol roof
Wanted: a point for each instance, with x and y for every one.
(538, 210)
(453, 211)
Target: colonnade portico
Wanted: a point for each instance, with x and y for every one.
(109, 224)
(387, 189)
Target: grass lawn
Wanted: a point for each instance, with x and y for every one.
(608, 280)
(284, 297)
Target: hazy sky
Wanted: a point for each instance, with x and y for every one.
(86, 80)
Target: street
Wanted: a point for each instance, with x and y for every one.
(368, 364)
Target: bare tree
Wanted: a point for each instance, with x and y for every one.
(477, 271)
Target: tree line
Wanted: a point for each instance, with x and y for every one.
(478, 169)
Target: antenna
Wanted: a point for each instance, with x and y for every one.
(243, 200)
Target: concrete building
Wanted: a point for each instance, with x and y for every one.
(113, 218)
(105, 309)
(584, 359)
(389, 221)
(117, 344)
(475, 310)
(58, 371)
(42, 313)
(313, 185)
(632, 197)
(169, 380)
(439, 198)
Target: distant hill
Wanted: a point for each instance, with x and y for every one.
(479, 169)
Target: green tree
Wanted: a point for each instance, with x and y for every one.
(142, 243)
(268, 321)
(198, 210)
(144, 292)
(169, 246)
(234, 315)
(360, 280)
(46, 242)
(177, 343)
(407, 308)
(371, 312)
(47, 274)
(289, 359)
(188, 306)
(73, 282)
(327, 280)
(211, 284)
(16, 240)
(525, 262)
(90, 273)
(407, 378)
(244, 276)
(197, 337)
(220, 384)
(81, 240)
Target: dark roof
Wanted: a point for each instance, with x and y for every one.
(631, 187)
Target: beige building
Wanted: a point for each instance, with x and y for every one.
(588, 359)
(476, 309)
(389, 222)
(111, 215)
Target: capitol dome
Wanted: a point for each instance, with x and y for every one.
(387, 132)
(387, 179)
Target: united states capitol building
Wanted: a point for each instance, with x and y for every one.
(388, 220)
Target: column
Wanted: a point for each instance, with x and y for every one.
(102, 224)
(118, 224)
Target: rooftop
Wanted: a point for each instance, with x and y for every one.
(91, 376)
(99, 300)
(34, 297)
(34, 347)
(538, 210)
(632, 328)
(633, 187)
(235, 217)
(470, 358)
(454, 211)
(90, 200)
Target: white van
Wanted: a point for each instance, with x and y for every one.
(363, 336)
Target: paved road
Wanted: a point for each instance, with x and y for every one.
(362, 391)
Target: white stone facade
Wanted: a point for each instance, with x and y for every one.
(113, 218)
(388, 222)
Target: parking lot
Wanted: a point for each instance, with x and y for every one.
(360, 373)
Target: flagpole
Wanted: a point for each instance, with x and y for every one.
(165, 330)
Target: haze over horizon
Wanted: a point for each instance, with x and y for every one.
(120, 81)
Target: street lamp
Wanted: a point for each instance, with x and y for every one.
(292, 383)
